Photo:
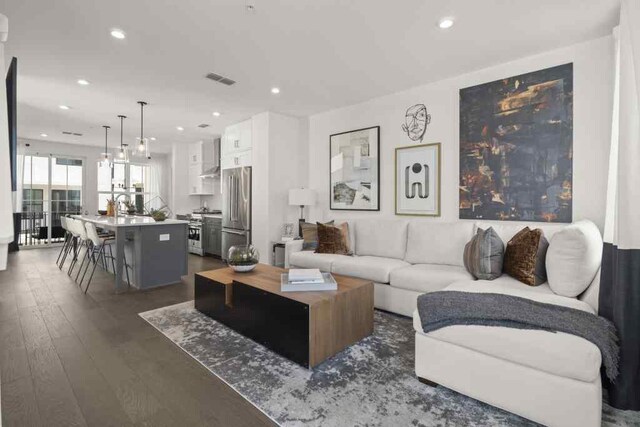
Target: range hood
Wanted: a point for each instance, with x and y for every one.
(214, 172)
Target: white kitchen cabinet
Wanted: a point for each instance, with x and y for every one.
(236, 160)
(201, 152)
(199, 186)
(236, 143)
(200, 159)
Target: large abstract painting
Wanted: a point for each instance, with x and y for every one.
(355, 165)
(516, 148)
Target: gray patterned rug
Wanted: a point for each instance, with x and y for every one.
(372, 383)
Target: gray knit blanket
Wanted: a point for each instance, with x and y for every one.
(446, 308)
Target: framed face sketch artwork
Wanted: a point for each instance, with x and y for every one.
(418, 180)
(355, 170)
(416, 120)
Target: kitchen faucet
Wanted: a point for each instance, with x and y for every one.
(115, 201)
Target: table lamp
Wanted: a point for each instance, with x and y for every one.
(301, 197)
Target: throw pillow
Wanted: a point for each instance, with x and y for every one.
(524, 258)
(483, 255)
(330, 240)
(574, 258)
(310, 236)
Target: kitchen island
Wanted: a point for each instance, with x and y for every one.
(156, 251)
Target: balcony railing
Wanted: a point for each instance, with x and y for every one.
(34, 227)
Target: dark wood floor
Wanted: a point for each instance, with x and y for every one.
(70, 359)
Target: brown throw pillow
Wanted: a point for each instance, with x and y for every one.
(310, 235)
(330, 240)
(524, 258)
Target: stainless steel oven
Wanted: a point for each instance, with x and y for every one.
(195, 238)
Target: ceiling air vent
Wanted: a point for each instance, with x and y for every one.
(203, 125)
(220, 79)
(65, 132)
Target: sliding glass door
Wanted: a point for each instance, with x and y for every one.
(51, 188)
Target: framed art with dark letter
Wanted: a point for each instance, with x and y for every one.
(355, 170)
(418, 180)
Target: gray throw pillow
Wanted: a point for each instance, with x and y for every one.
(483, 255)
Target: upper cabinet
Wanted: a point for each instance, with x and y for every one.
(236, 145)
(201, 152)
(201, 158)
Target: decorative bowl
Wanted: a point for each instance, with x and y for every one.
(243, 258)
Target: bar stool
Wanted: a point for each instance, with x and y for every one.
(80, 234)
(65, 244)
(99, 245)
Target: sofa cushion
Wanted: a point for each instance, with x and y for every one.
(307, 259)
(428, 277)
(381, 238)
(573, 258)
(437, 242)
(524, 257)
(483, 255)
(557, 353)
(372, 268)
(332, 239)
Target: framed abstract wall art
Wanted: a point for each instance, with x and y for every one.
(355, 170)
(516, 148)
(417, 180)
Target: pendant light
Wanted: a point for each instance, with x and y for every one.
(143, 143)
(123, 153)
(105, 161)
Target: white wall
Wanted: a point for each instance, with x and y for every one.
(278, 145)
(593, 98)
(89, 155)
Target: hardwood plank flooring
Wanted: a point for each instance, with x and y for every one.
(70, 359)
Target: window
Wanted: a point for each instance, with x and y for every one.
(124, 178)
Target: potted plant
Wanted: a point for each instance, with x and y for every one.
(111, 207)
(243, 258)
(130, 206)
(158, 214)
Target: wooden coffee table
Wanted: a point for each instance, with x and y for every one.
(305, 327)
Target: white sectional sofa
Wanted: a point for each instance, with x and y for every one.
(550, 378)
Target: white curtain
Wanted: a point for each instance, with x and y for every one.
(20, 179)
(156, 182)
(620, 276)
(6, 202)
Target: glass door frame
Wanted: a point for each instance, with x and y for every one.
(47, 205)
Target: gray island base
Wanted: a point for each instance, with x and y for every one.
(156, 251)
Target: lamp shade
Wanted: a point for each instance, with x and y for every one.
(302, 197)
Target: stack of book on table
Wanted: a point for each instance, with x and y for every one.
(307, 279)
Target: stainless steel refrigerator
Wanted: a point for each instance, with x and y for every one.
(236, 208)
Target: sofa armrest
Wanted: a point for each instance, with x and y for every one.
(291, 247)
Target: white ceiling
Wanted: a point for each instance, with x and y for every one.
(323, 54)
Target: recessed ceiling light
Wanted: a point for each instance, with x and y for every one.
(445, 23)
(83, 82)
(118, 34)
(64, 107)
(180, 128)
(216, 114)
(275, 90)
(153, 138)
(44, 135)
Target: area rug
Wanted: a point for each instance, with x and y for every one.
(372, 383)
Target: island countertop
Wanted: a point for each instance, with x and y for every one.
(126, 220)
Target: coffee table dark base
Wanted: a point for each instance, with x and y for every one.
(278, 323)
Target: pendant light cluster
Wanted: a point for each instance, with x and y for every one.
(142, 149)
